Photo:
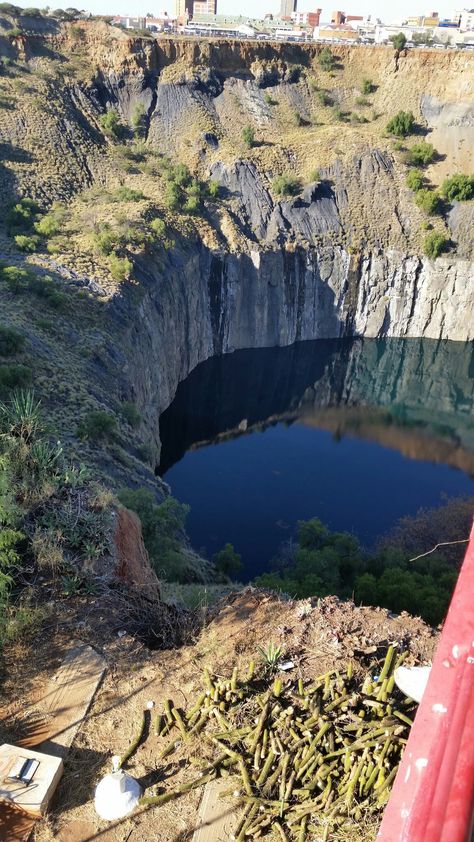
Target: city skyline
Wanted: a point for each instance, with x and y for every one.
(386, 11)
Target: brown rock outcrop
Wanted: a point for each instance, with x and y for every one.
(132, 561)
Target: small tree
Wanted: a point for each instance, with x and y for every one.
(248, 136)
(138, 119)
(399, 41)
(112, 124)
(326, 59)
(227, 560)
(402, 124)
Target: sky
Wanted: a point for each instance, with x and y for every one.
(387, 10)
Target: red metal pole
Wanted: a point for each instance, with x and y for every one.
(433, 795)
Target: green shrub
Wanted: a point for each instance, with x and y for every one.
(399, 41)
(98, 424)
(323, 97)
(429, 201)
(139, 119)
(286, 184)
(15, 278)
(51, 223)
(104, 239)
(11, 342)
(268, 99)
(458, 188)
(28, 243)
(14, 377)
(213, 188)
(120, 267)
(44, 287)
(127, 194)
(112, 125)
(194, 189)
(173, 196)
(402, 124)
(314, 175)
(421, 154)
(131, 414)
(358, 118)
(181, 175)
(21, 216)
(362, 101)
(14, 32)
(367, 87)
(158, 226)
(192, 205)
(326, 59)
(227, 560)
(415, 180)
(338, 113)
(435, 244)
(248, 136)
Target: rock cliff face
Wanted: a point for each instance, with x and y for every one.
(203, 304)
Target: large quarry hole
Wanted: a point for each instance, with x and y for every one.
(358, 433)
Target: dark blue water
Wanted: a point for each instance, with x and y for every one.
(357, 434)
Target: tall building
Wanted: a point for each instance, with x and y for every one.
(204, 7)
(186, 9)
(287, 7)
(306, 18)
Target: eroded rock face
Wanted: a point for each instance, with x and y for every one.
(202, 304)
(132, 562)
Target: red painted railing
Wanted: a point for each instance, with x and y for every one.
(433, 795)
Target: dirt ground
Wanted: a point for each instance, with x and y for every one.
(316, 635)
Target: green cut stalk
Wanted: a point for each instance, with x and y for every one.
(387, 664)
(196, 707)
(266, 769)
(403, 718)
(245, 777)
(179, 722)
(135, 742)
(260, 727)
(169, 749)
(248, 821)
(208, 680)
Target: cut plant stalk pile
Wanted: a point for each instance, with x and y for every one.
(298, 756)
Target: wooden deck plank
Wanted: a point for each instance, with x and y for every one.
(216, 817)
(66, 701)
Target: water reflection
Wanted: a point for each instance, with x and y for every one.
(414, 396)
